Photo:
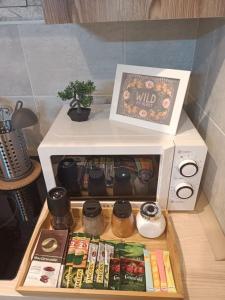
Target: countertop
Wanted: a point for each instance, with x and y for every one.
(198, 233)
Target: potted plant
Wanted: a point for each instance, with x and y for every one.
(79, 92)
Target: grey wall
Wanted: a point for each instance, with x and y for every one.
(207, 108)
(37, 60)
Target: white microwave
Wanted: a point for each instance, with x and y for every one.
(174, 164)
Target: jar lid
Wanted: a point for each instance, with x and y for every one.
(92, 208)
(122, 209)
(122, 174)
(150, 210)
(96, 174)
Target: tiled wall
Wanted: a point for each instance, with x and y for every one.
(207, 108)
(37, 60)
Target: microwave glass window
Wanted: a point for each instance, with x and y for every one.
(108, 177)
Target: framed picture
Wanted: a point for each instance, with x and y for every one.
(149, 97)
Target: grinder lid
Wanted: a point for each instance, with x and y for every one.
(58, 202)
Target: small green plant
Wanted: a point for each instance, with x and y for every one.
(80, 94)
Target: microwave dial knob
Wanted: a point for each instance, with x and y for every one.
(188, 168)
(184, 190)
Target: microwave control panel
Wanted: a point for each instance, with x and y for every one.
(186, 175)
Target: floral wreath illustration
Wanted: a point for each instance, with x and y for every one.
(158, 112)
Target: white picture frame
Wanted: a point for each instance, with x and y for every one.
(146, 87)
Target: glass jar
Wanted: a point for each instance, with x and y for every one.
(122, 219)
(150, 221)
(93, 221)
(59, 207)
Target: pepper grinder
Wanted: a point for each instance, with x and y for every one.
(59, 207)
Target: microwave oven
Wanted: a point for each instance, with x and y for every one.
(127, 161)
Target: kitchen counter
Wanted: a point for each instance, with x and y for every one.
(204, 276)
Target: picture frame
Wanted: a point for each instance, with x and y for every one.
(149, 97)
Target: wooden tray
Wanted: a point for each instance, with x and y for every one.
(168, 241)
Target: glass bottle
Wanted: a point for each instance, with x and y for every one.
(93, 221)
(150, 220)
(122, 219)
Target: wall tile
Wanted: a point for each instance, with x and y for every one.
(206, 106)
(194, 111)
(28, 13)
(34, 2)
(209, 69)
(48, 108)
(166, 44)
(13, 75)
(58, 54)
(8, 3)
(214, 172)
(28, 102)
(214, 95)
(203, 55)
